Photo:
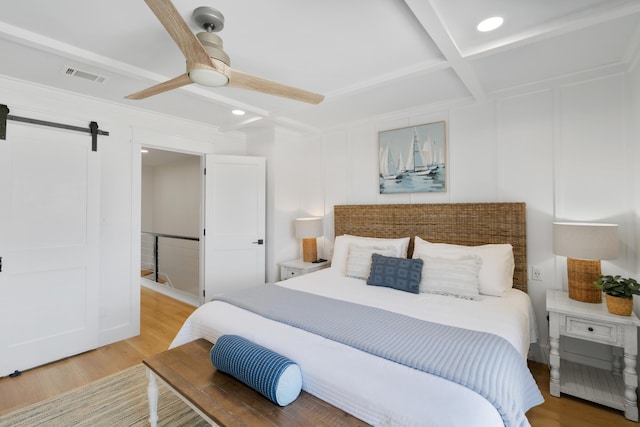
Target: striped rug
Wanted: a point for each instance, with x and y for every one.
(117, 400)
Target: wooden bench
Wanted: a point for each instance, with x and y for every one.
(222, 400)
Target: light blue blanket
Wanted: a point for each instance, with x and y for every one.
(480, 361)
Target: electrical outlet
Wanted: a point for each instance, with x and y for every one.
(536, 272)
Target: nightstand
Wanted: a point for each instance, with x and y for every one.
(297, 267)
(615, 388)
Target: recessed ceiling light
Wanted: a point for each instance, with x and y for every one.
(490, 24)
(144, 150)
(238, 112)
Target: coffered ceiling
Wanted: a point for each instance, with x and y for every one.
(368, 57)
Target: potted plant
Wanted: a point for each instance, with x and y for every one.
(620, 292)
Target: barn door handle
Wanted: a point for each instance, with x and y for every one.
(259, 242)
(0, 264)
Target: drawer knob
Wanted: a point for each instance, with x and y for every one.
(590, 329)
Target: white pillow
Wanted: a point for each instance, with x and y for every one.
(496, 271)
(342, 243)
(456, 277)
(359, 260)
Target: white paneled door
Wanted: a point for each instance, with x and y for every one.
(234, 250)
(49, 229)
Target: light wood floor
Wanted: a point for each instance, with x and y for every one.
(161, 317)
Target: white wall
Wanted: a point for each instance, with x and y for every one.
(564, 151)
(146, 197)
(177, 190)
(287, 182)
(121, 172)
(633, 119)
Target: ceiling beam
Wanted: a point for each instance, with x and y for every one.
(564, 25)
(425, 67)
(432, 24)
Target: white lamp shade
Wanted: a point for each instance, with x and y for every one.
(589, 241)
(307, 228)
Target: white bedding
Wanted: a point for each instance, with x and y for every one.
(376, 390)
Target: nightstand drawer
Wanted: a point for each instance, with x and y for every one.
(594, 331)
(288, 272)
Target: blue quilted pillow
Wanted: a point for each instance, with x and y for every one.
(271, 374)
(398, 273)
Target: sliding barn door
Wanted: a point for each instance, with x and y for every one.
(49, 225)
(234, 250)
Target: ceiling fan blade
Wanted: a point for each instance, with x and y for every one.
(179, 31)
(246, 81)
(181, 80)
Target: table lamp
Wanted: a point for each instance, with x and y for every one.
(308, 229)
(584, 245)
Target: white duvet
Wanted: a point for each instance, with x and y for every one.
(377, 390)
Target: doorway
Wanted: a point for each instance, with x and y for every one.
(171, 223)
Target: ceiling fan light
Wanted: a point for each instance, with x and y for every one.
(208, 77)
(490, 24)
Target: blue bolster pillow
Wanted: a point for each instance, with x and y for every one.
(269, 373)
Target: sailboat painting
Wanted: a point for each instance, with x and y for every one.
(412, 159)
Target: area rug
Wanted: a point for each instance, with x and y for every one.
(117, 400)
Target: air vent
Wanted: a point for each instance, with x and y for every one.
(72, 71)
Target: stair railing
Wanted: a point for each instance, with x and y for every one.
(155, 237)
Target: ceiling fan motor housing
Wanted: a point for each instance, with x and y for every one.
(213, 45)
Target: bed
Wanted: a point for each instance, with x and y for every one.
(375, 389)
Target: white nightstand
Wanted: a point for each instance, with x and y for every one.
(592, 322)
(297, 267)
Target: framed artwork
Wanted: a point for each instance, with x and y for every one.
(412, 159)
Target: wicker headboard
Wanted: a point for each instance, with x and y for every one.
(468, 224)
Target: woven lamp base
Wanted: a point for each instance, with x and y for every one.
(581, 275)
(309, 249)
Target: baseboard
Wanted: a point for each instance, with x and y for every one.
(170, 292)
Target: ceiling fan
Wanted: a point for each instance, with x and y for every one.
(207, 63)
